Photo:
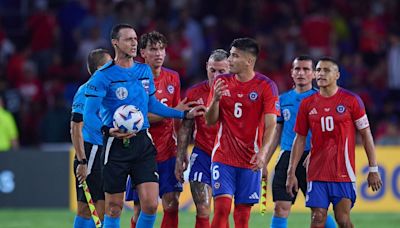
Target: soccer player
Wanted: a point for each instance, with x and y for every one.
(302, 73)
(332, 115)
(152, 48)
(88, 143)
(123, 82)
(245, 104)
(200, 160)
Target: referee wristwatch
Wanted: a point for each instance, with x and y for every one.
(82, 162)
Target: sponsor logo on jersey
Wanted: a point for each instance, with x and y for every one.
(313, 112)
(254, 196)
(327, 109)
(340, 109)
(170, 89)
(217, 185)
(277, 106)
(200, 101)
(286, 114)
(159, 91)
(253, 96)
(92, 87)
(240, 95)
(226, 93)
(121, 93)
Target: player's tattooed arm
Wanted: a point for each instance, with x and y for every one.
(182, 160)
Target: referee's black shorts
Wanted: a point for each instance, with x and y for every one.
(279, 182)
(94, 180)
(136, 158)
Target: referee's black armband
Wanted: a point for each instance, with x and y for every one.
(76, 117)
(105, 130)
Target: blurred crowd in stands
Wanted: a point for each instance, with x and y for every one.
(44, 45)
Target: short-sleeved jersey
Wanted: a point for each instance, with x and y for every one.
(167, 92)
(204, 135)
(118, 86)
(290, 102)
(332, 121)
(90, 134)
(241, 118)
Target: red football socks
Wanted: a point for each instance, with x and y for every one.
(241, 215)
(170, 219)
(202, 222)
(222, 210)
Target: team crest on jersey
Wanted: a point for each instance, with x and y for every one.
(146, 85)
(340, 109)
(253, 96)
(286, 114)
(121, 93)
(170, 89)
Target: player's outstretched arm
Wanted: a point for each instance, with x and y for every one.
(183, 141)
(374, 179)
(295, 156)
(183, 105)
(212, 113)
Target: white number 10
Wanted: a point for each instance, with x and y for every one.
(327, 123)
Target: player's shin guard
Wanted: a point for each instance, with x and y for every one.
(278, 222)
(170, 219)
(202, 222)
(330, 222)
(81, 222)
(241, 215)
(221, 212)
(145, 220)
(110, 222)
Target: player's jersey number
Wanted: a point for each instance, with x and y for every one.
(215, 172)
(327, 123)
(237, 112)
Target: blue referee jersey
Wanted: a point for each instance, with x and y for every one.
(112, 86)
(290, 102)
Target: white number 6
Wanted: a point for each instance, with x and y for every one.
(238, 111)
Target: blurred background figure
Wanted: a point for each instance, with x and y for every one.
(8, 130)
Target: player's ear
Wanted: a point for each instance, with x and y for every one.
(142, 53)
(114, 43)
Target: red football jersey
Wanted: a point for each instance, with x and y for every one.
(167, 92)
(204, 135)
(241, 118)
(332, 121)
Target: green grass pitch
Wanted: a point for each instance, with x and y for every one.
(60, 218)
